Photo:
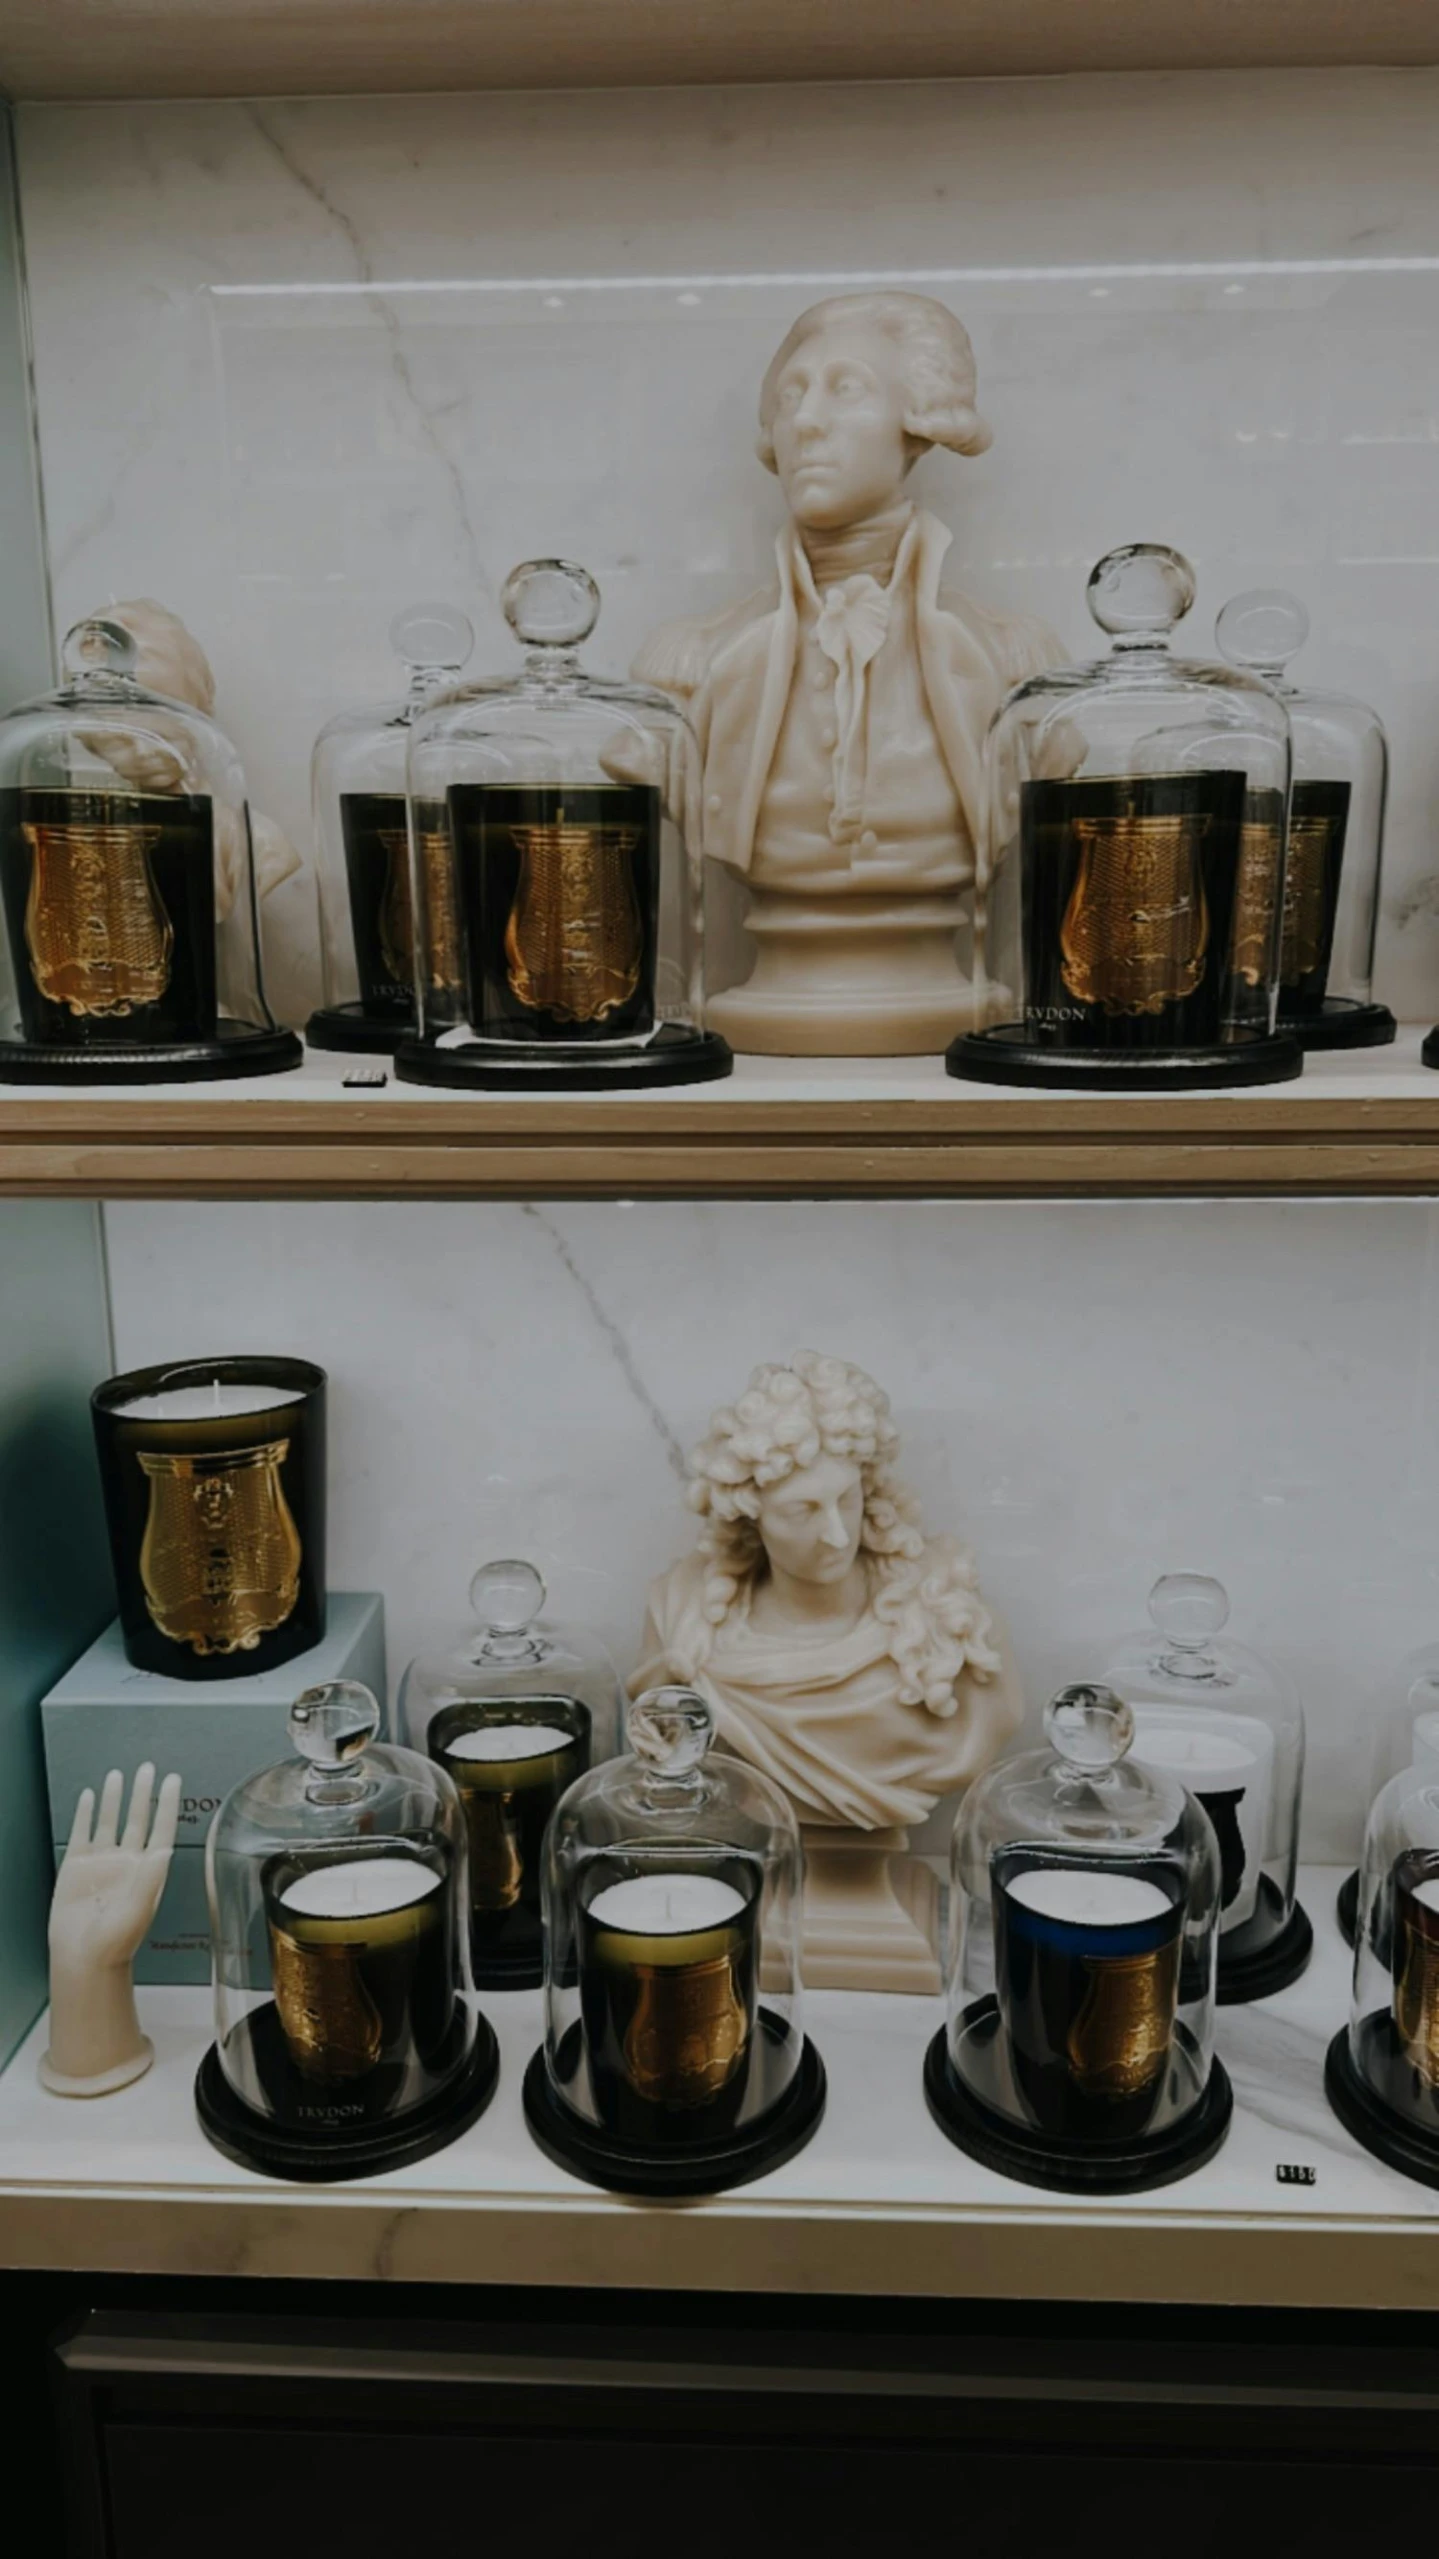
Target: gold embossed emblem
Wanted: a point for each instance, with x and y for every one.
(1416, 1996)
(1119, 2042)
(220, 1557)
(332, 2026)
(496, 1852)
(1306, 897)
(689, 2032)
(1136, 927)
(397, 920)
(1256, 899)
(574, 943)
(99, 939)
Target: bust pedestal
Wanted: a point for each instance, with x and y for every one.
(851, 976)
(871, 1914)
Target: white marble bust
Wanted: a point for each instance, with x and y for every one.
(841, 713)
(842, 1650)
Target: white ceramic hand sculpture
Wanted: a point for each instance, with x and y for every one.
(841, 714)
(842, 1651)
(106, 1895)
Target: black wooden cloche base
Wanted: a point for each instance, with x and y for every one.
(696, 2168)
(1344, 1023)
(237, 1049)
(677, 1054)
(1401, 2145)
(1271, 1967)
(326, 2156)
(1006, 1054)
(1088, 2168)
(359, 1034)
(1430, 1051)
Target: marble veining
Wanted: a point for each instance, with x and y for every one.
(299, 363)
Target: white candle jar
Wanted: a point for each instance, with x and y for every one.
(1078, 2050)
(347, 2040)
(515, 1709)
(675, 2060)
(1230, 1726)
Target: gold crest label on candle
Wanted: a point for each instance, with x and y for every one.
(1416, 1984)
(96, 931)
(1119, 2042)
(332, 2026)
(1136, 929)
(1257, 898)
(397, 921)
(220, 1557)
(574, 941)
(689, 2032)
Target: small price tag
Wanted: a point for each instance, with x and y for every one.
(365, 1079)
(1290, 2172)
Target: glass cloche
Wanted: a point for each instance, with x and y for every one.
(576, 868)
(346, 2035)
(1336, 832)
(1084, 1913)
(1382, 2070)
(515, 1710)
(1230, 1726)
(362, 851)
(675, 2060)
(130, 949)
(1404, 1717)
(1128, 897)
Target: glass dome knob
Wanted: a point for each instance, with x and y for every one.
(1140, 592)
(1090, 1727)
(432, 635)
(331, 1725)
(507, 1595)
(1189, 1608)
(1262, 630)
(670, 1730)
(98, 647)
(550, 604)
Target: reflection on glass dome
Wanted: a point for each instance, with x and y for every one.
(1083, 1922)
(130, 949)
(1129, 891)
(674, 2060)
(1230, 1727)
(346, 2038)
(514, 1711)
(570, 806)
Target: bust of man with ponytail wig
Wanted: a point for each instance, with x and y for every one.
(841, 713)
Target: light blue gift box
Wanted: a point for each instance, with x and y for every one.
(106, 1714)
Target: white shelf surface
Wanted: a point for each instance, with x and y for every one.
(879, 2203)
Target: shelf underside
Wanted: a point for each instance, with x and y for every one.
(269, 48)
(783, 1128)
(879, 2202)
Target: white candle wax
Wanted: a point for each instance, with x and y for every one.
(1087, 1898)
(212, 1402)
(667, 1905)
(1202, 1758)
(360, 1888)
(508, 1741)
(1427, 1893)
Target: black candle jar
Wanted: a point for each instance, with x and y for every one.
(511, 1762)
(1079, 2051)
(363, 1965)
(668, 1994)
(214, 1481)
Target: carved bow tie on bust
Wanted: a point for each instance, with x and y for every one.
(853, 621)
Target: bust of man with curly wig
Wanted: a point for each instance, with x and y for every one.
(843, 1652)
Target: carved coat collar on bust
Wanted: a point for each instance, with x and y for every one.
(736, 672)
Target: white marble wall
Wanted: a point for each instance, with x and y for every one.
(300, 363)
(1092, 1394)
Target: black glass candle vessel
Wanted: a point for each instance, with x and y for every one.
(1079, 2050)
(1129, 881)
(368, 946)
(576, 873)
(1382, 2070)
(514, 1708)
(346, 2040)
(129, 920)
(1334, 872)
(674, 2060)
(214, 1480)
